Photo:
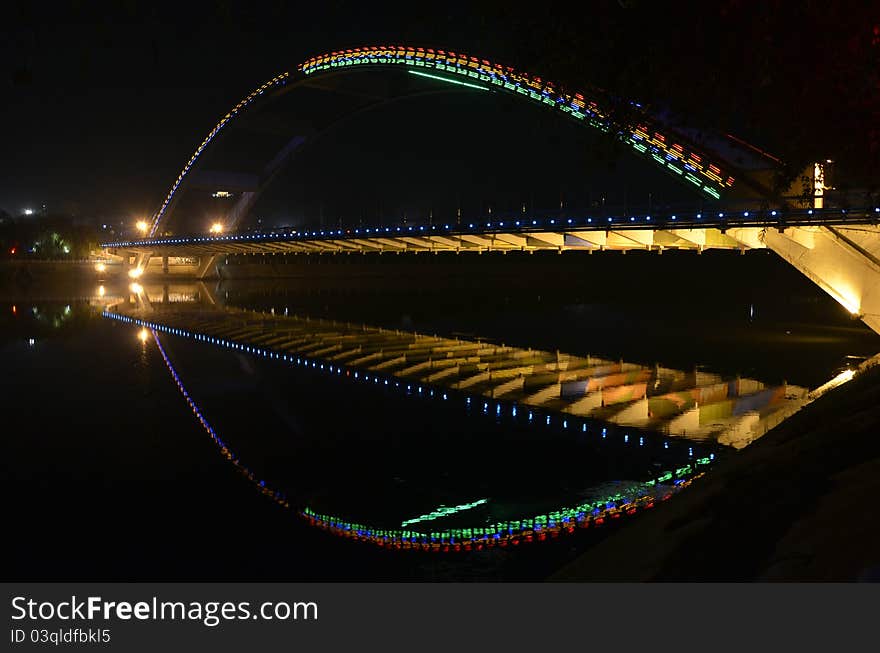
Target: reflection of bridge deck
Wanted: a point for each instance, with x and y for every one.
(693, 404)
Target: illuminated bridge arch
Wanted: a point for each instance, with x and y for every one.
(673, 151)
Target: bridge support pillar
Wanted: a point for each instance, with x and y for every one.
(843, 261)
(164, 265)
(208, 267)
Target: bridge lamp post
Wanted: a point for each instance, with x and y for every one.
(216, 228)
(142, 226)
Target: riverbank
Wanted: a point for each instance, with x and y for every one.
(800, 504)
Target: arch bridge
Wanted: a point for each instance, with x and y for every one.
(838, 247)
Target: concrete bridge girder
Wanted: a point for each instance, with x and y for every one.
(512, 240)
(545, 239)
(598, 239)
(749, 237)
(632, 237)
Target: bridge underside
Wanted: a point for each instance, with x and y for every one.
(843, 260)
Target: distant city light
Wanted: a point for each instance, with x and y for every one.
(216, 228)
(142, 226)
(31, 342)
(12, 250)
(28, 211)
(221, 193)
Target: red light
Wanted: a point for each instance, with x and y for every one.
(14, 310)
(12, 250)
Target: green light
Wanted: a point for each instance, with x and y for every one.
(443, 511)
(446, 79)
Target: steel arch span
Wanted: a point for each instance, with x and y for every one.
(708, 173)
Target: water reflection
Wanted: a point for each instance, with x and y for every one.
(694, 404)
(391, 435)
(432, 531)
(529, 386)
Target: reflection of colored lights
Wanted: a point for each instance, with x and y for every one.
(143, 334)
(101, 291)
(638, 496)
(100, 267)
(444, 511)
(136, 288)
(14, 309)
(134, 273)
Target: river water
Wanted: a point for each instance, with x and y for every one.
(482, 418)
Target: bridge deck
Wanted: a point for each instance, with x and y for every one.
(695, 230)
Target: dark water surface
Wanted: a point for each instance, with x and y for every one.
(111, 476)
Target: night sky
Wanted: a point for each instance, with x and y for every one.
(103, 103)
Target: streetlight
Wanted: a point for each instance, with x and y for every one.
(142, 226)
(216, 228)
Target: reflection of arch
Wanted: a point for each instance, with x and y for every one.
(647, 137)
(636, 497)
